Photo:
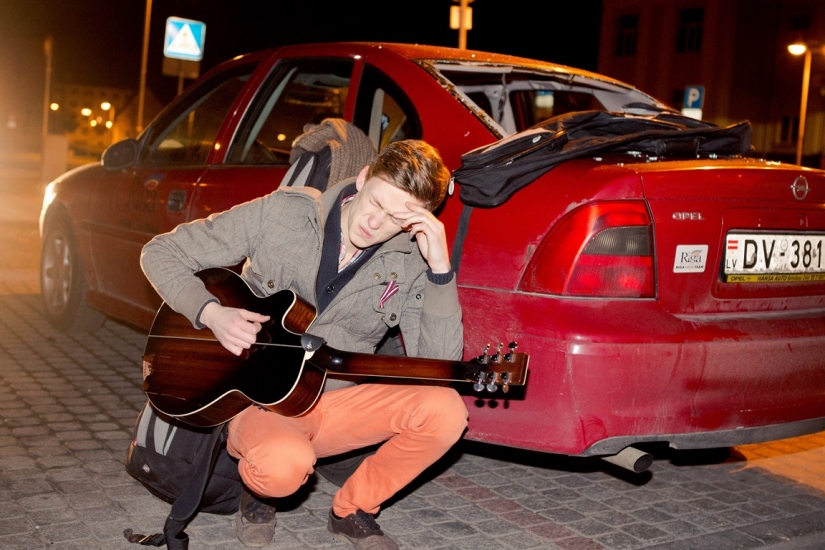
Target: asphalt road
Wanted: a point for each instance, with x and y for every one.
(68, 402)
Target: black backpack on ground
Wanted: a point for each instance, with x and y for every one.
(185, 466)
(190, 468)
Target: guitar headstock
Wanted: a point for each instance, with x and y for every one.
(488, 372)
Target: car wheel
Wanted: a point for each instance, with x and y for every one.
(63, 284)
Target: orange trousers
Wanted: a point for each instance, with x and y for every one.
(419, 424)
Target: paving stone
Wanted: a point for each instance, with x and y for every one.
(474, 515)
(681, 528)
(651, 515)
(454, 529)
(477, 542)
(562, 514)
(591, 527)
(619, 541)
(709, 504)
(578, 543)
(524, 541)
(551, 531)
(644, 532)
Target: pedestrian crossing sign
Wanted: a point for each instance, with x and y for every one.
(184, 39)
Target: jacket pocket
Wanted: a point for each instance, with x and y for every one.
(271, 276)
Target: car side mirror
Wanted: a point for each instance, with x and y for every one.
(120, 155)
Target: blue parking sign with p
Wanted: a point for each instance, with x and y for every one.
(184, 39)
(694, 97)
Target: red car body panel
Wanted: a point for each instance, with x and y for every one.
(702, 363)
(645, 369)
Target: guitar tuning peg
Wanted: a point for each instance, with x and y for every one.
(509, 357)
(497, 356)
(490, 382)
(505, 379)
(484, 358)
(479, 386)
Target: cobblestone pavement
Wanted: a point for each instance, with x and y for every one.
(68, 403)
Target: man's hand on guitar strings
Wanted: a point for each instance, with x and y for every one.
(235, 329)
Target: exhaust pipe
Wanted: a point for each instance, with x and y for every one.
(631, 458)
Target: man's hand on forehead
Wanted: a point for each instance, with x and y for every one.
(430, 235)
(405, 218)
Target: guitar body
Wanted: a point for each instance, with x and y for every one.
(188, 374)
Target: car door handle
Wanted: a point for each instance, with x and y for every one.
(176, 201)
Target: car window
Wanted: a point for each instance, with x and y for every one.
(186, 133)
(529, 107)
(298, 92)
(510, 99)
(384, 111)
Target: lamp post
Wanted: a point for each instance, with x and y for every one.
(799, 49)
(144, 60)
(461, 18)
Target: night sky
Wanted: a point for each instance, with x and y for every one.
(98, 42)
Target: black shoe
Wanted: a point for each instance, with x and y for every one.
(255, 522)
(361, 531)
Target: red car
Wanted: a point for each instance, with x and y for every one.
(703, 327)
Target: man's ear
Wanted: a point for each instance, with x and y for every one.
(362, 177)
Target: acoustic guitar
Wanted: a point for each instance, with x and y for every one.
(189, 375)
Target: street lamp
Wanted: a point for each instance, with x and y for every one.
(799, 49)
(106, 106)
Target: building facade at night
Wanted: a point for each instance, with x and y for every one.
(89, 133)
(736, 52)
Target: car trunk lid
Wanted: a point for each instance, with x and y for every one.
(737, 235)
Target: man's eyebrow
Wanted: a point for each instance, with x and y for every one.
(379, 204)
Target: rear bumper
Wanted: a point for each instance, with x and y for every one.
(604, 375)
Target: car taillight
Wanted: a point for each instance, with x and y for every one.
(602, 249)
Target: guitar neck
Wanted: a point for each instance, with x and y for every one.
(389, 366)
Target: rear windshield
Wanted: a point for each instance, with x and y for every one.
(509, 99)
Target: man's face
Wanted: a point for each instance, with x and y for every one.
(370, 218)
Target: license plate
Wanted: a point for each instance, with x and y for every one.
(774, 258)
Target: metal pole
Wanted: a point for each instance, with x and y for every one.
(47, 49)
(806, 79)
(462, 29)
(112, 120)
(142, 91)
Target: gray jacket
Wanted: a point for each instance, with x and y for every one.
(279, 237)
